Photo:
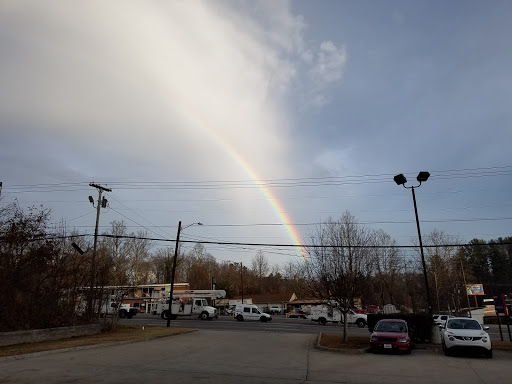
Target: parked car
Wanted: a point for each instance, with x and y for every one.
(463, 333)
(229, 311)
(392, 335)
(298, 313)
(441, 319)
(371, 309)
(274, 310)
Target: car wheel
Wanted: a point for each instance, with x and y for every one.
(322, 321)
(204, 316)
(164, 315)
(122, 314)
(489, 354)
(447, 352)
(239, 318)
(361, 323)
(263, 319)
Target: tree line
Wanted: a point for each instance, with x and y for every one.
(41, 273)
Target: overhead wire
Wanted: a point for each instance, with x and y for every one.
(277, 183)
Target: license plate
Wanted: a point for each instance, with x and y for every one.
(388, 346)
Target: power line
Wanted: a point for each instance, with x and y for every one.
(276, 183)
(4, 238)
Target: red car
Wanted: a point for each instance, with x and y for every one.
(392, 335)
(372, 309)
(360, 311)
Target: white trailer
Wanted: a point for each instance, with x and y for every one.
(191, 303)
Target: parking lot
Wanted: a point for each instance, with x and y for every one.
(216, 356)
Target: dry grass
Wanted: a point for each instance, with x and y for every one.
(123, 333)
(336, 341)
(502, 345)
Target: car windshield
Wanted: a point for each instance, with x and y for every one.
(388, 326)
(463, 324)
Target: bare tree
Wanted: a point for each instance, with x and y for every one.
(295, 278)
(260, 268)
(387, 266)
(138, 248)
(117, 248)
(443, 271)
(339, 265)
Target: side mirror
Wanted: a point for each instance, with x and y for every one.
(486, 328)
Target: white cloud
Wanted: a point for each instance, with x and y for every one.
(335, 162)
(191, 76)
(329, 65)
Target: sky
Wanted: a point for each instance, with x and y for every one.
(259, 119)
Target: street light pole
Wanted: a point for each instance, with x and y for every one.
(173, 272)
(401, 180)
(422, 255)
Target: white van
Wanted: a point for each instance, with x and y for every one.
(250, 312)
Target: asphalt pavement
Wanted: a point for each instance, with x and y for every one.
(279, 324)
(217, 356)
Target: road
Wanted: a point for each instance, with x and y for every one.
(228, 357)
(279, 324)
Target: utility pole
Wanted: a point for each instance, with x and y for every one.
(100, 203)
(242, 280)
(465, 287)
(169, 312)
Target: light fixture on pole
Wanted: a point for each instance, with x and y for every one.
(173, 273)
(401, 180)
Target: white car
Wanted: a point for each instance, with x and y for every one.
(274, 310)
(465, 334)
(441, 319)
(250, 312)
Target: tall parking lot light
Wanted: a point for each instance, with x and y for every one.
(401, 180)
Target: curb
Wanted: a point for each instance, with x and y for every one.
(86, 347)
(359, 351)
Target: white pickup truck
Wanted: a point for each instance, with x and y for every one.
(325, 313)
(274, 310)
(111, 308)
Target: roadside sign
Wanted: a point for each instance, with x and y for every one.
(475, 289)
(498, 305)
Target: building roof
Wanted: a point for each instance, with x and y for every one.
(270, 298)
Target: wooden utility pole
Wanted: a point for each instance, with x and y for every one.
(93, 261)
(242, 280)
(169, 312)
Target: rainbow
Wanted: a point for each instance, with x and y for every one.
(267, 192)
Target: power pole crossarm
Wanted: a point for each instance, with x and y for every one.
(101, 188)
